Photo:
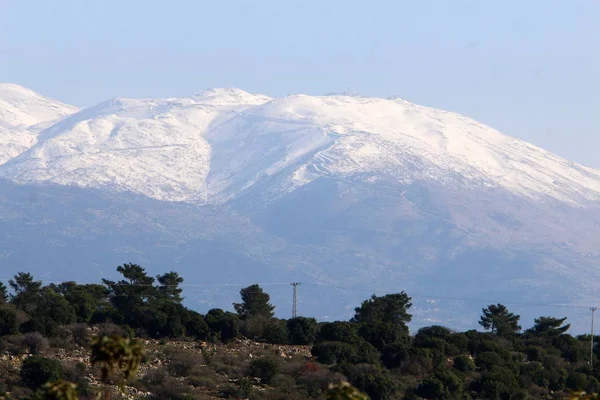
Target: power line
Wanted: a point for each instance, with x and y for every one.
(435, 297)
(323, 285)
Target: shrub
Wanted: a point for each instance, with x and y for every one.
(80, 334)
(334, 352)
(463, 364)
(418, 362)
(171, 389)
(383, 334)
(302, 330)
(196, 326)
(393, 355)
(370, 379)
(488, 359)
(535, 353)
(35, 342)
(275, 331)
(229, 365)
(338, 331)
(499, 383)
(534, 372)
(37, 370)
(315, 380)
(8, 322)
(109, 329)
(180, 361)
(265, 369)
(225, 326)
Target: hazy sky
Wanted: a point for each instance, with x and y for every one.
(529, 68)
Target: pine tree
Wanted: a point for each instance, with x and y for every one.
(497, 319)
(255, 303)
(548, 327)
(169, 286)
(3, 293)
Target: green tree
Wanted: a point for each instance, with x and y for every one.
(339, 331)
(370, 379)
(196, 326)
(499, 383)
(131, 295)
(37, 370)
(8, 322)
(3, 294)
(548, 327)
(266, 369)
(169, 286)
(499, 320)
(224, 325)
(302, 330)
(391, 308)
(275, 331)
(442, 385)
(255, 303)
(52, 311)
(463, 363)
(85, 299)
(26, 291)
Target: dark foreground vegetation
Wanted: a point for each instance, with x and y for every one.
(134, 339)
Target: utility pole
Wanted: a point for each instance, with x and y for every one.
(295, 302)
(592, 309)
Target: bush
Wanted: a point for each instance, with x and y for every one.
(265, 369)
(8, 322)
(463, 364)
(196, 326)
(302, 330)
(535, 353)
(80, 334)
(488, 359)
(37, 370)
(316, 380)
(225, 326)
(338, 331)
(393, 355)
(534, 373)
(36, 343)
(418, 362)
(180, 361)
(383, 334)
(499, 383)
(275, 331)
(370, 379)
(334, 352)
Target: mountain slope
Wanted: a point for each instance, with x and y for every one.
(367, 194)
(211, 147)
(23, 113)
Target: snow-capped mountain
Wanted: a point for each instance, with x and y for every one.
(213, 146)
(387, 194)
(23, 113)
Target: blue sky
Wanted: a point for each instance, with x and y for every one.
(528, 68)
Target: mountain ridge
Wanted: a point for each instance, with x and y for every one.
(225, 133)
(376, 193)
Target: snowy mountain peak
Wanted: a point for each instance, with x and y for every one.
(228, 96)
(21, 107)
(23, 113)
(218, 144)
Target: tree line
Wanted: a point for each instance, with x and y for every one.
(374, 350)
